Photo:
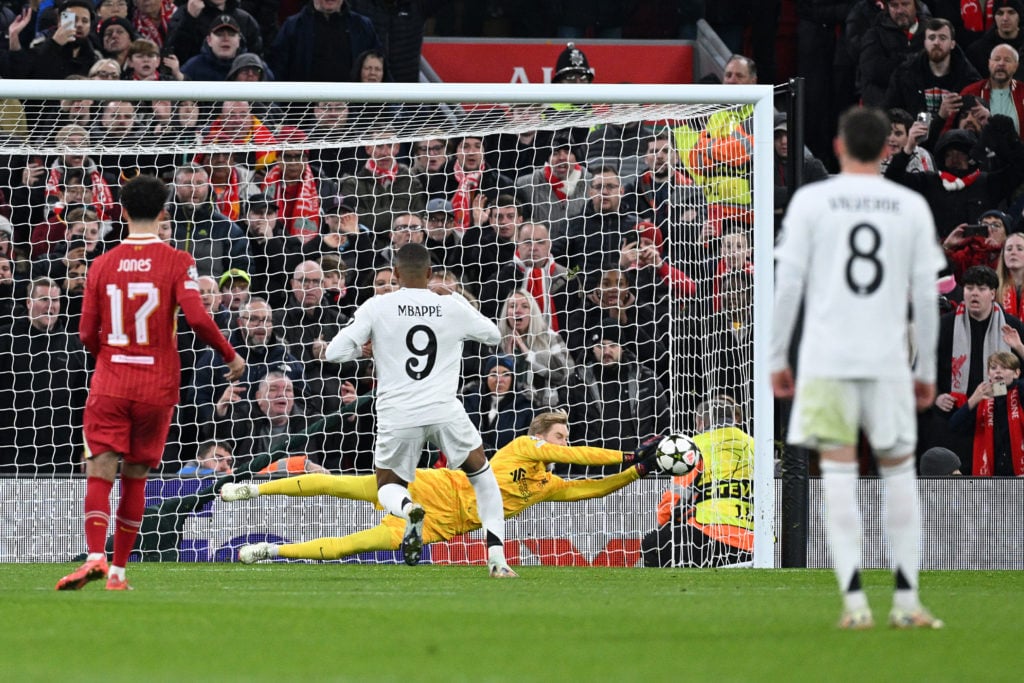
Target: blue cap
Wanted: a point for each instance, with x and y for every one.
(502, 358)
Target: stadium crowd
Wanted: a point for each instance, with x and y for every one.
(562, 237)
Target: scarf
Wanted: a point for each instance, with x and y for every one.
(384, 176)
(155, 30)
(961, 361)
(1012, 302)
(257, 134)
(300, 208)
(976, 19)
(102, 197)
(468, 182)
(955, 183)
(558, 186)
(227, 196)
(984, 442)
(538, 284)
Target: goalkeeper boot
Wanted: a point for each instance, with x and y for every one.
(90, 571)
(233, 492)
(857, 620)
(254, 552)
(913, 618)
(116, 583)
(500, 571)
(412, 542)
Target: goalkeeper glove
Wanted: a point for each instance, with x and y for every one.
(644, 456)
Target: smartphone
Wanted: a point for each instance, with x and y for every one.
(67, 20)
(976, 231)
(925, 118)
(998, 389)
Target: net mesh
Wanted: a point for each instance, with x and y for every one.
(611, 244)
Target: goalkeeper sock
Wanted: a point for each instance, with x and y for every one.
(379, 537)
(339, 486)
(842, 519)
(97, 516)
(489, 506)
(393, 498)
(903, 529)
(129, 518)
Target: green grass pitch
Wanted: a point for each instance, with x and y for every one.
(305, 622)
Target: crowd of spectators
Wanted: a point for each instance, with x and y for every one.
(581, 264)
(578, 242)
(947, 74)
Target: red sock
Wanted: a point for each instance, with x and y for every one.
(97, 513)
(129, 518)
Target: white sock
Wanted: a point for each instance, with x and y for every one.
(272, 549)
(393, 498)
(496, 555)
(903, 530)
(488, 504)
(842, 519)
(116, 571)
(92, 557)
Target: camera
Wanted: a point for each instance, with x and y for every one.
(976, 230)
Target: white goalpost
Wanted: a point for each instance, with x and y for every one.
(668, 256)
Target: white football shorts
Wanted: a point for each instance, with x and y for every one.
(399, 449)
(828, 412)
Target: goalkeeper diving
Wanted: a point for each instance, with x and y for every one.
(446, 495)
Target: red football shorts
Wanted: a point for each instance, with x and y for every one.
(138, 431)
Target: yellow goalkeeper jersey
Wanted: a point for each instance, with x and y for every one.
(521, 469)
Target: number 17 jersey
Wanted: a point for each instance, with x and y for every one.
(129, 312)
(860, 244)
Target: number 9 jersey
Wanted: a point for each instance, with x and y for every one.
(858, 250)
(129, 319)
(417, 338)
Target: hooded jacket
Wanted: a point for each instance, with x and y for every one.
(981, 190)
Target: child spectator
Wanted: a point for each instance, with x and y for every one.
(993, 412)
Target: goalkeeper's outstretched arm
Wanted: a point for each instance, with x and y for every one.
(547, 443)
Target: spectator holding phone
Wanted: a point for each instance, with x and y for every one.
(994, 413)
(900, 125)
(978, 244)
(67, 50)
(961, 188)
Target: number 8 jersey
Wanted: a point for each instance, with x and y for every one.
(417, 338)
(129, 319)
(858, 249)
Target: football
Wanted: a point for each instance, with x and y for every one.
(677, 454)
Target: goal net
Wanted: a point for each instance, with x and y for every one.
(613, 240)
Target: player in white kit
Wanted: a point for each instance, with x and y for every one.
(416, 337)
(856, 249)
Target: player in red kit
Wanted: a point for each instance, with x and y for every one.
(132, 297)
